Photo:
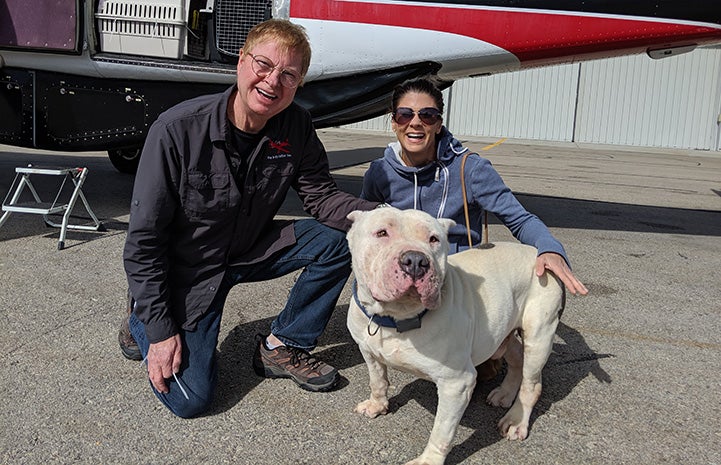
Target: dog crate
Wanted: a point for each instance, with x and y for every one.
(142, 27)
(234, 19)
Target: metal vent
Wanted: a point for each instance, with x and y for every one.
(233, 21)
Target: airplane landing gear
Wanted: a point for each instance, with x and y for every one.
(125, 160)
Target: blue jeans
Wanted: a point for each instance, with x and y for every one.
(324, 254)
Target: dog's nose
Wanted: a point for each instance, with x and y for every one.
(414, 264)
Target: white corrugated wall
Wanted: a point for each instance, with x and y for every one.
(674, 103)
(530, 104)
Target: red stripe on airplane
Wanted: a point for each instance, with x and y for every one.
(528, 35)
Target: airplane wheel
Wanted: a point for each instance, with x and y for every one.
(125, 160)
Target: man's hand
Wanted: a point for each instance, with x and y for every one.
(556, 264)
(163, 360)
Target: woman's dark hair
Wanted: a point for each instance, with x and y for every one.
(421, 86)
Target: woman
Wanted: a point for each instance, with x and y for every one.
(423, 171)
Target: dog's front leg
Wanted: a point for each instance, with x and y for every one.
(453, 398)
(378, 402)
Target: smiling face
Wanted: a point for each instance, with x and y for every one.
(417, 139)
(260, 98)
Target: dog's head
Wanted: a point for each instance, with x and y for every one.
(399, 257)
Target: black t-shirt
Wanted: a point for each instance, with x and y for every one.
(244, 143)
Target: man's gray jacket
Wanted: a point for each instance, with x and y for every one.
(189, 220)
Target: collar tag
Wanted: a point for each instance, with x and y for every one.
(409, 323)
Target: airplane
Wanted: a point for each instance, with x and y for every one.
(81, 75)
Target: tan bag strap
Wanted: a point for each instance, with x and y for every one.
(465, 206)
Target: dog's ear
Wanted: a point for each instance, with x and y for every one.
(446, 223)
(354, 215)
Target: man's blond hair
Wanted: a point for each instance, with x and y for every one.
(289, 36)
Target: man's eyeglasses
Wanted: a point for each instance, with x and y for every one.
(428, 116)
(263, 66)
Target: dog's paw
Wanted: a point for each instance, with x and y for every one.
(371, 408)
(517, 433)
(501, 397)
(420, 461)
(512, 429)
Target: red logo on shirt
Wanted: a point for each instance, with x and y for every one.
(280, 147)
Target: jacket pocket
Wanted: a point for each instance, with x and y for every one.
(206, 194)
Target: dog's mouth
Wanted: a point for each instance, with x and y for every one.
(417, 293)
(394, 294)
(412, 293)
(409, 295)
(411, 283)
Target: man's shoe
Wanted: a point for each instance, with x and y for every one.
(128, 346)
(297, 364)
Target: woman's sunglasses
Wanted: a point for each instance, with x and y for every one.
(428, 116)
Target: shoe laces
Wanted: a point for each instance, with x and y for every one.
(299, 355)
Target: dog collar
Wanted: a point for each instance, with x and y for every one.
(387, 321)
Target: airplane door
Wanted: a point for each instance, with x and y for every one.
(40, 25)
(31, 26)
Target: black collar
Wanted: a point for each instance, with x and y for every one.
(387, 321)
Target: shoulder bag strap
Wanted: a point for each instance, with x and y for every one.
(465, 205)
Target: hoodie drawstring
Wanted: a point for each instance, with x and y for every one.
(415, 191)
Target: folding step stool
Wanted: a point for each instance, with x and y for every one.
(22, 180)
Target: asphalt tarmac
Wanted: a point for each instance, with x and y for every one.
(633, 378)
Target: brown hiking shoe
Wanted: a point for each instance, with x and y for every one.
(297, 364)
(128, 346)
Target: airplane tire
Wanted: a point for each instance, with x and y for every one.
(125, 160)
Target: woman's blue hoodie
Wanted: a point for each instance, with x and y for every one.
(436, 189)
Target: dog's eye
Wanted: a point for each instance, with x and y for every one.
(381, 233)
(434, 239)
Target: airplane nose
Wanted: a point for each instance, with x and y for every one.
(415, 264)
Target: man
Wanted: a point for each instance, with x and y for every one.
(213, 173)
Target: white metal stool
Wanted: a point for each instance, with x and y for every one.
(13, 204)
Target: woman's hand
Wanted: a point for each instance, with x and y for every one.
(557, 265)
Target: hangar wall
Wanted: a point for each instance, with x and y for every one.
(636, 101)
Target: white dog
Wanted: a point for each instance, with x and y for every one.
(438, 317)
